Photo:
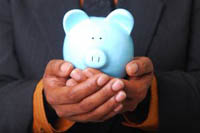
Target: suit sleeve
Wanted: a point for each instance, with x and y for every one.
(179, 91)
(16, 92)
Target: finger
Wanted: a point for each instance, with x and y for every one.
(78, 75)
(143, 82)
(58, 68)
(92, 102)
(139, 66)
(113, 113)
(89, 72)
(71, 83)
(114, 87)
(56, 73)
(137, 88)
(69, 110)
(129, 105)
(99, 113)
(75, 94)
(66, 110)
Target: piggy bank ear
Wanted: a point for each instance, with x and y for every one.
(123, 18)
(72, 18)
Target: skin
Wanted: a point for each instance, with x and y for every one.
(140, 76)
(92, 96)
(93, 100)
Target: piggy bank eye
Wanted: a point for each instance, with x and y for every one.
(100, 38)
(92, 38)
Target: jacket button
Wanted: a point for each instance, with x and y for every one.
(41, 130)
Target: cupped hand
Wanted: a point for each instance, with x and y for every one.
(94, 99)
(139, 78)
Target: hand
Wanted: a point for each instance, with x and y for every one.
(140, 72)
(140, 75)
(83, 102)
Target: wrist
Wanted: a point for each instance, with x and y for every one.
(141, 112)
(51, 115)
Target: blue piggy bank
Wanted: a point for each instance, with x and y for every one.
(102, 43)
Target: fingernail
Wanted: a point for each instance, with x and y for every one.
(118, 108)
(102, 80)
(120, 96)
(134, 67)
(64, 67)
(118, 85)
(74, 74)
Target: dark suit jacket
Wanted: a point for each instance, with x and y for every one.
(167, 31)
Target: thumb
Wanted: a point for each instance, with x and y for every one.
(58, 68)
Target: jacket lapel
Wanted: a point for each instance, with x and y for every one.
(147, 14)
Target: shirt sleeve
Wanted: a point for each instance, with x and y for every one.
(152, 121)
(40, 122)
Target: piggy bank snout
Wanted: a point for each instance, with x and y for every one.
(95, 58)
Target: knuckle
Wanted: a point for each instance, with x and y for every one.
(145, 59)
(63, 112)
(106, 95)
(107, 92)
(94, 116)
(90, 85)
(92, 82)
(49, 83)
(52, 63)
(147, 63)
(143, 65)
(50, 100)
(112, 103)
(86, 106)
(71, 97)
(60, 113)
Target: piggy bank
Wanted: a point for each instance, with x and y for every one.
(103, 43)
